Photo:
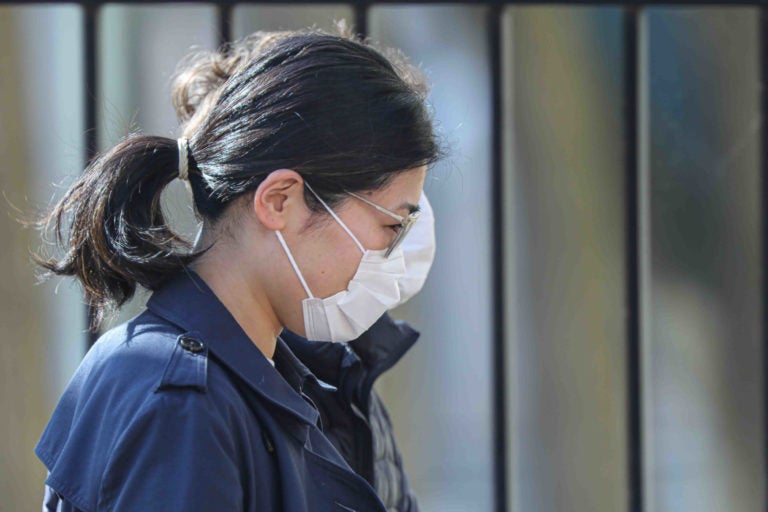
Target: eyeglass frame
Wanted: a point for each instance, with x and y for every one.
(406, 223)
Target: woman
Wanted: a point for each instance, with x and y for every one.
(306, 154)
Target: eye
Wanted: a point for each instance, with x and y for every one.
(395, 227)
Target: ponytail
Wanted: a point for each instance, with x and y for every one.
(111, 226)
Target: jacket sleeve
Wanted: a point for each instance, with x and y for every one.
(178, 454)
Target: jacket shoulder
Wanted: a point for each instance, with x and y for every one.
(146, 353)
(144, 371)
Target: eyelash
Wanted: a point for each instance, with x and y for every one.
(395, 227)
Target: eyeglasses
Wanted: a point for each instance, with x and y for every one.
(406, 223)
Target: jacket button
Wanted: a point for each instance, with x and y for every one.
(191, 344)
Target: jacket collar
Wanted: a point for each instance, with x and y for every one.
(186, 301)
(354, 367)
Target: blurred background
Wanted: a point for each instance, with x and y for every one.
(593, 326)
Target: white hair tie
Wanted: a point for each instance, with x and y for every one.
(183, 158)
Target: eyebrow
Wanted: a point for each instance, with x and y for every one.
(410, 207)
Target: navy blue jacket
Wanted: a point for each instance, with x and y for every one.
(177, 409)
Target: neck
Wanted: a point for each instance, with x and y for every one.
(241, 294)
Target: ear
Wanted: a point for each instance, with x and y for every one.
(278, 198)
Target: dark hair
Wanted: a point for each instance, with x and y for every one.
(343, 114)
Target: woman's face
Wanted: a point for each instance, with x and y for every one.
(328, 257)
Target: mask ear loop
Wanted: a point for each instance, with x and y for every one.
(293, 264)
(337, 219)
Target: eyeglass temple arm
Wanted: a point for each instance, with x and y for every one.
(380, 208)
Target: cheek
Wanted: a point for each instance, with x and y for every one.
(332, 265)
(337, 272)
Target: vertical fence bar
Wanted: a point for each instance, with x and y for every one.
(224, 15)
(763, 55)
(91, 90)
(634, 384)
(360, 10)
(497, 261)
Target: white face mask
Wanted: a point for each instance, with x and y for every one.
(418, 251)
(373, 290)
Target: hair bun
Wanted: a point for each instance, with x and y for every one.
(201, 74)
